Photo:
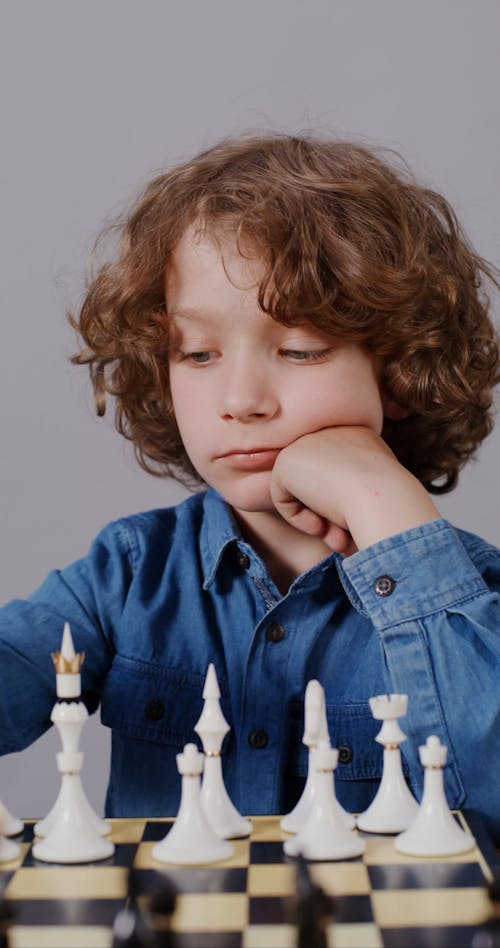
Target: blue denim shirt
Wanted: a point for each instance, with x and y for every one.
(161, 594)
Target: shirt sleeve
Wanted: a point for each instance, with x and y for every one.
(89, 594)
(434, 605)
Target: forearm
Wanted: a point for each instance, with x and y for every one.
(30, 630)
(387, 500)
(437, 622)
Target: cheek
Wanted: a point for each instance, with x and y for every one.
(186, 408)
(346, 404)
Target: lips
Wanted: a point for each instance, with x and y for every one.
(254, 459)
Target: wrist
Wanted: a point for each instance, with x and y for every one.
(389, 505)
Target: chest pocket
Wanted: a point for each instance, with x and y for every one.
(145, 701)
(352, 730)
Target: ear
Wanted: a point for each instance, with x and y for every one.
(393, 410)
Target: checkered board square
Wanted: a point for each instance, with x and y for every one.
(380, 899)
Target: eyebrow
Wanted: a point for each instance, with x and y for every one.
(187, 313)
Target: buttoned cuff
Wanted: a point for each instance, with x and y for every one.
(412, 574)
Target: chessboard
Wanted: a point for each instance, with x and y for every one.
(379, 899)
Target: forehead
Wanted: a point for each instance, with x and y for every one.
(206, 262)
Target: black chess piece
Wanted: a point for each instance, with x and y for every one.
(126, 927)
(159, 911)
(149, 926)
(314, 909)
(129, 930)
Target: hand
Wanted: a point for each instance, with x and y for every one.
(346, 486)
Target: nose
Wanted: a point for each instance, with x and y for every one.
(248, 393)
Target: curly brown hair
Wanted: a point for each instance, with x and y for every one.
(350, 242)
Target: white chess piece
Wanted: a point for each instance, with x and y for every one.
(191, 840)
(212, 728)
(10, 825)
(9, 849)
(315, 731)
(434, 831)
(325, 835)
(68, 686)
(394, 806)
(72, 834)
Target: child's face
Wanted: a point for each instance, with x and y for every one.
(243, 385)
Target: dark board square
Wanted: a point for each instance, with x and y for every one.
(155, 830)
(438, 875)
(446, 936)
(208, 879)
(208, 940)
(273, 910)
(28, 834)
(267, 851)
(124, 854)
(66, 911)
(269, 910)
(484, 840)
(349, 909)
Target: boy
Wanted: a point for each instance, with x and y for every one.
(300, 327)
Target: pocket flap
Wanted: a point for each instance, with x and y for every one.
(149, 702)
(352, 730)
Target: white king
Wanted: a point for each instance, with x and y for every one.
(71, 832)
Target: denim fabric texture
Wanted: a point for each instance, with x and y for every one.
(163, 593)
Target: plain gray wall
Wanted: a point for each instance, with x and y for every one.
(99, 95)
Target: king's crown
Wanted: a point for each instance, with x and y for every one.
(67, 666)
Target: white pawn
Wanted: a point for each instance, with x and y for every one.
(212, 728)
(68, 686)
(325, 835)
(315, 731)
(72, 835)
(394, 806)
(191, 840)
(434, 831)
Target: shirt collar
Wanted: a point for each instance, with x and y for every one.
(218, 530)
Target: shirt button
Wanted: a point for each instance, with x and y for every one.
(384, 585)
(345, 754)
(154, 710)
(242, 559)
(275, 633)
(258, 739)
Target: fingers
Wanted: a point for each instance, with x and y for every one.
(307, 521)
(339, 540)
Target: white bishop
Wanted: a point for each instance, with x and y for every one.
(212, 727)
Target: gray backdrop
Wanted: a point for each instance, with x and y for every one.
(99, 95)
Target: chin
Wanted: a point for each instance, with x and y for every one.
(251, 494)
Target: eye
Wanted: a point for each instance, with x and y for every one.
(198, 358)
(306, 355)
